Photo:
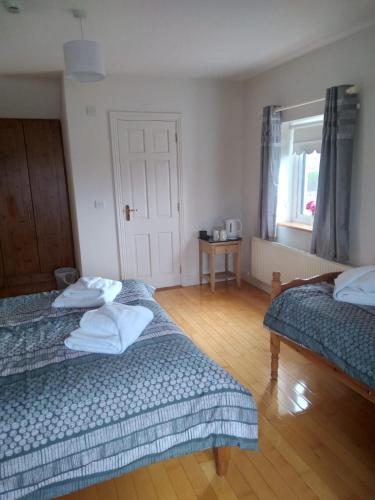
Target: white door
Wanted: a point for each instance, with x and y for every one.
(145, 161)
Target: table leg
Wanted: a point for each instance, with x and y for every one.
(212, 271)
(238, 268)
(226, 267)
(200, 266)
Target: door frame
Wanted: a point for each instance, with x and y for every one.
(114, 117)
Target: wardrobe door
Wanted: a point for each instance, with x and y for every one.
(2, 277)
(17, 227)
(49, 190)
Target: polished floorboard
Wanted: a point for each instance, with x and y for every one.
(317, 437)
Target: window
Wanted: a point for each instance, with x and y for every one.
(299, 170)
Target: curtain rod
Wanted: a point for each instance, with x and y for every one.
(300, 105)
(351, 90)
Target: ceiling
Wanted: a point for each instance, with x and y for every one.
(231, 39)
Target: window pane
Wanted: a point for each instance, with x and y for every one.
(299, 169)
(310, 183)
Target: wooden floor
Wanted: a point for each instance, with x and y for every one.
(317, 438)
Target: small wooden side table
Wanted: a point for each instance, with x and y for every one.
(214, 248)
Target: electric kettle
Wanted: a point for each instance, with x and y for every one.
(233, 228)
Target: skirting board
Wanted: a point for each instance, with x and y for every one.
(258, 284)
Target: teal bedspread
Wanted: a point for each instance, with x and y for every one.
(70, 419)
(342, 333)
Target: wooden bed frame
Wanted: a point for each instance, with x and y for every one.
(276, 338)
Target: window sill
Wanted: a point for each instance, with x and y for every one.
(296, 225)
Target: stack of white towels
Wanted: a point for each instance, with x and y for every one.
(111, 328)
(89, 292)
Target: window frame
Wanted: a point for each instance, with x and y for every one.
(296, 164)
(298, 187)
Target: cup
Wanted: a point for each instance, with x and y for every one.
(216, 234)
(223, 235)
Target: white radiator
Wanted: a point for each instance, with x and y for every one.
(267, 257)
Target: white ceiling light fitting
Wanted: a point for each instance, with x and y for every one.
(84, 60)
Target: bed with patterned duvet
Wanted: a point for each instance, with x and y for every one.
(340, 332)
(69, 419)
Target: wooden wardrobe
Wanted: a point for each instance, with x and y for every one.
(35, 226)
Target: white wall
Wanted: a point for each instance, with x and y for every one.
(69, 176)
(294, 238)
(26, 97)
(212, 158)
(348, 61)
(220, 137)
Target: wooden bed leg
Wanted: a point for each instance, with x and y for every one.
(275, 351)
(275, 285)
(222, 456)
(276, 289)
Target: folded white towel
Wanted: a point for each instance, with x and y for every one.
(356, 286)
(110, 329)
(89, 292)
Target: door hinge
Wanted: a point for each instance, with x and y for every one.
(178, 206)
(176, 137)
(180, 269)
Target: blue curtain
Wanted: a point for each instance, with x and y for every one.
(330, 238)
(270, 167)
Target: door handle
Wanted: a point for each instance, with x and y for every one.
(128, 210)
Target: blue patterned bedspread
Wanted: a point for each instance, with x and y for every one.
(69, 419)
(343, 333)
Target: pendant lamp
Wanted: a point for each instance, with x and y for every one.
(84, 60)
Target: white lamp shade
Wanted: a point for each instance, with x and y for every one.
(84, 60)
